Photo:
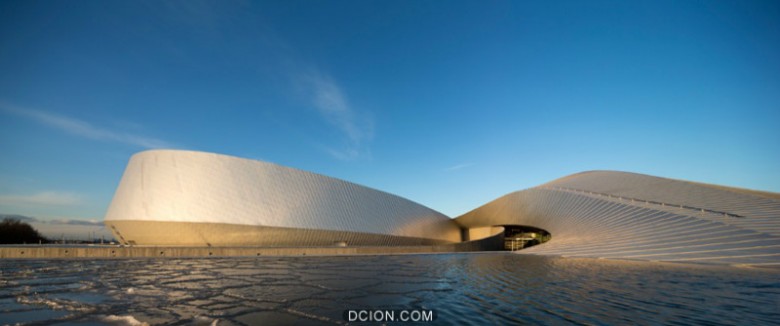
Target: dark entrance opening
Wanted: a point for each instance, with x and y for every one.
(518, 237)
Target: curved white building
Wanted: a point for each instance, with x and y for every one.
(606, 214)
(172, 197)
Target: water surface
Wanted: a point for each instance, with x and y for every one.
(496, 288)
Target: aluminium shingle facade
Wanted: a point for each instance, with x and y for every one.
(172, 197)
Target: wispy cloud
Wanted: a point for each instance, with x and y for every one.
(85, 129)
(458, 167)
(48, 198)
(331, 102)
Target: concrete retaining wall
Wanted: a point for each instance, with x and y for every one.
(44, 252)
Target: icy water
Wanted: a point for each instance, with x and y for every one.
(485, 288)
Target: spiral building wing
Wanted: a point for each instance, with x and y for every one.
(607, 214)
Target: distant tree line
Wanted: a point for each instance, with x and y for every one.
(14, 231)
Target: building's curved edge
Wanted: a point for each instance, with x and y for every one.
(293, 169)
(761, 193)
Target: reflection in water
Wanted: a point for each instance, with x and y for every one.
(461, 288)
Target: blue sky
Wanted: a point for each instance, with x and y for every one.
(450, 104)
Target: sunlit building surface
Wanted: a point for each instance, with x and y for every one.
(607, 214)
(187, 198)
(190, 198)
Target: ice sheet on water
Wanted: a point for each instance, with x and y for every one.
(122, 320)
(56, 303)
(462, 288)
(204, 321)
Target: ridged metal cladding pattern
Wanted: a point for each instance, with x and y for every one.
(198, 187)
(630, 216)
(739, 202)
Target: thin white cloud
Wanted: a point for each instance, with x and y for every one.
(328, 98)
(458, 167)
(85, 129)
(47, 198)
(68, 221)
